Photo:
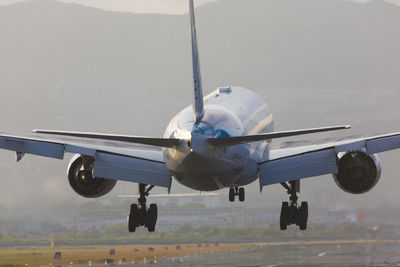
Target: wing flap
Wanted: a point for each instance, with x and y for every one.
(80, 150)
(45, 149)
(383, 144)
(352, 146)
(298, 167)
(131, 170)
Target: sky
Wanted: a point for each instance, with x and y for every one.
(144, 6)
(141, 6)
(90, 65)
(134, 6)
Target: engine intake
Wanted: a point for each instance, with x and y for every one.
(358, 172)
(80, 176)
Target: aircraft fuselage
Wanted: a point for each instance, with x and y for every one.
(230, 111)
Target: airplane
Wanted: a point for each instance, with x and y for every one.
(223, 140)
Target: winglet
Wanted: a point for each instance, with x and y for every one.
(198, 105)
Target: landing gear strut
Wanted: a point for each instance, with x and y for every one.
(290, 212)
(139, 214)
(233, 192)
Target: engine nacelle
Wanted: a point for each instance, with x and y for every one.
(358, 172)
(80, 176)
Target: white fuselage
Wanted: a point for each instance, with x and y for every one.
(230, 111)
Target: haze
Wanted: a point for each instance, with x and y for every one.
(316, 63)
(136, 6)
(147, 6)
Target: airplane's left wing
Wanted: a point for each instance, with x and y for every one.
(115, 160)
(297, 161)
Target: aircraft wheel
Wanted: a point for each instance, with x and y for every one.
(131, 218)
(152, 217)
(284, 216)
(241, 194)
(231, 194)
(303, 215)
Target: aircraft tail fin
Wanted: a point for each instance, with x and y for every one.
(198, 105)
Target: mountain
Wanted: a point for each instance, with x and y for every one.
(65, 56)
(316, 62)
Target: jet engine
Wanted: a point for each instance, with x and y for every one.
(358, 172)
(80, 176)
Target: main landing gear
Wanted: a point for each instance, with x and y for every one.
(233, 192)
(140, 215)
(290, 212)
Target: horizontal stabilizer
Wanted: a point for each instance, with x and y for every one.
(161, 142)
(235, 140)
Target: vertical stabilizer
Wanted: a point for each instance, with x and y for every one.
(198, 105)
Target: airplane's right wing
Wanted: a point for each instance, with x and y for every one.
(298, 161)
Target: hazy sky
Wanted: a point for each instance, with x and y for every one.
(136, 6)
(114, 70)
(142, 6)
(145, 6)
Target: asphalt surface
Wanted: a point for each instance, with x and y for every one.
(346, 253)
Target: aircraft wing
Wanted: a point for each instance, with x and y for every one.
(297, 160)
(116, 160)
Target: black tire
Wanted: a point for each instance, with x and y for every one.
(284, 216)
(241, 194)
(152, 217)
(154, 212)
(131, 218)
(231, 194)
(303, 215)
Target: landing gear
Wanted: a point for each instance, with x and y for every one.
(290, 212)
(233, 192)
(139, 214)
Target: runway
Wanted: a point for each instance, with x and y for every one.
(347, 253)
(359, 252)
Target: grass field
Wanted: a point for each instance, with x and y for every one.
(82, 255)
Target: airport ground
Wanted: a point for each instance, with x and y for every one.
(101, 254)
(327, 253)
(285, 253)
(245, 237)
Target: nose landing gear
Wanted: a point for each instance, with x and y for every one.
(139, 214)
(233, 192)
(290, 212)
